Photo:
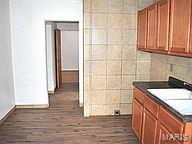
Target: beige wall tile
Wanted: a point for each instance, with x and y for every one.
(130, 6)
(127, 81)
(98, 110)
(87, 36)
(115, 6)
(128, 52)
(129, 21)
(86, 68)
(189, 71)
(128, 67)
(110, 109)
(144, 3)
(126, 109)
(99, 82)
(113, 82)
(114, 52)
(87, 5)
(99, 97)
(180, 61)
(86, 52)
(99, 20)
(98, 68)
(143, 77)
(113, 68)
(99, 6)
(86, 83)
(143, 67)
(87, 20)
(126, 96)
(129, 37)
(86, 98)
(86, 111)
(113, 96)
(115, 36)
(98, 52)
(143, 55)
(115, 21)
(99, 36)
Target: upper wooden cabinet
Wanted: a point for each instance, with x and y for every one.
(163, 25)
(169, 28)
(152, 27)
(142, 30)
(180, 20)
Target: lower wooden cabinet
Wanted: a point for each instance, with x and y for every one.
(137, 118)
(163, 136)
(149, 128)
(154, 125)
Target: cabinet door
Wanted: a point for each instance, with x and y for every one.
(163, 136)
(149, 128)
(142, 30)
(137, 117)
(180, 25)
(163, 25)
(152, 28)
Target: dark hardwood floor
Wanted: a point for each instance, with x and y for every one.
(63, 123)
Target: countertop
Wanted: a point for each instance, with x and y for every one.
(143, 86)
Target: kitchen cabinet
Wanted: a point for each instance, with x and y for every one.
(169, 28)
(149, 128)
(180, 26)
(163, 136)
(163, 8)
(137, 118)
(152, 27)
(153, 124)
(142, 30)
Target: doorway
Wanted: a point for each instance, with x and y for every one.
(62, 43)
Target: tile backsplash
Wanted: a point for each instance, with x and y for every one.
(163, 66)
(111, 61)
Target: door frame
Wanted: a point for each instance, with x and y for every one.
(81, 55)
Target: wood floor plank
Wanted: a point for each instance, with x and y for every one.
(63, 123)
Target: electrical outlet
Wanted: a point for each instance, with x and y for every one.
(117, 113)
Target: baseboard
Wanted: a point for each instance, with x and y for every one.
(33, 106)
(52, 92)
(7, 115)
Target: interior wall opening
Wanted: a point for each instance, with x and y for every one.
(62, 50)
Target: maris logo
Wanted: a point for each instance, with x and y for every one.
(175, 137)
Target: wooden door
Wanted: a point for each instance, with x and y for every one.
(152, 27)
(163, 136)
(163, 25)
(180, 25)
(137, 118)
(58, 58)
(149, 128)
(142, 30)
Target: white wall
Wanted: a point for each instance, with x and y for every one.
(7, 97)
(28, 36)
(70, 50)
(50, 48)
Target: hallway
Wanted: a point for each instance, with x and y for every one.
(63, 122)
